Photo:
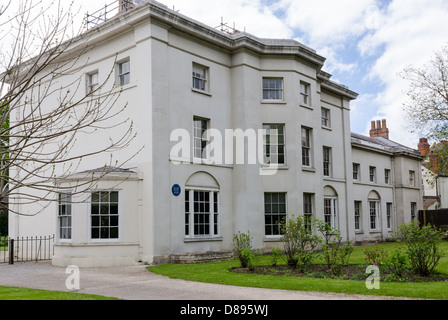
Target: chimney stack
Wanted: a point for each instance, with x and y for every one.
(125, 5)
(424, 147)
(379, 129)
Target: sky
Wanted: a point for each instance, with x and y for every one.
(367, 43)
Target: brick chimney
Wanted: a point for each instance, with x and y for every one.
(379, 129)
(125, 5)
(424, 147)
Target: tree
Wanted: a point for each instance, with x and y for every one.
(43, 119)
(427, 106)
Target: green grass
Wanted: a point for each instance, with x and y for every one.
(220, 273)
(12, 293)
(3, 243)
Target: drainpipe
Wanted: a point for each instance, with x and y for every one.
(394, 196)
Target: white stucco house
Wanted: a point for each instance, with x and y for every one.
(180, 76)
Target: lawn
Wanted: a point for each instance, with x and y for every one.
(12, 293)
(220, 273)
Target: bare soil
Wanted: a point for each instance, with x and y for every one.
(350, 272)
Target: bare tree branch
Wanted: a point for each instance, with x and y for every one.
(43, 117)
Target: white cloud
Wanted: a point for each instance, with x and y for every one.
(328, 22)
(388, 38)
(249, 15)
(328, 26)
(411, 32)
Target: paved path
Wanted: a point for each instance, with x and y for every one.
(136, 283)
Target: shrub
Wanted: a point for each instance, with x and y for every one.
(335, 252)
(242, 246)
(376, 255)
(276, 254)
(299, 243)
(422, 246)
(398, 263)
(250, 257)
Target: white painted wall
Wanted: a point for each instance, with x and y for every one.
(160, 99)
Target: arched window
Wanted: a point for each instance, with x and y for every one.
(374, 210)
(330, 207)
(201, 206)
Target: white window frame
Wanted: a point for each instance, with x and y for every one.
(412, 178)
(92, 81)
(271, 90)
(123, 76)
(200, 78)
(413, 211)
(203, 140)
(281, 215)
(387, 176)
(356, 172)
(91, 215)
(358, 216)
(275, 145)
(305, 97)
(327, 163)
(374, 215)
(65, 213)
(326, 118)
(306, 141)
(389, 215)
(372, 174)
(213, 214)
(331, 216)
(308, 209)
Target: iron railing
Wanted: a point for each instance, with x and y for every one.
(25, 249)
(4, 241)
(109, 11)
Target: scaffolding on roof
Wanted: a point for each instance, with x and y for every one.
(109, 11)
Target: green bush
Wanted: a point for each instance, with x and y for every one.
(299, 242)
(335, 252)
(398, 263)
(276, 254)
(421, 245)
(242, 246)
(376, 255)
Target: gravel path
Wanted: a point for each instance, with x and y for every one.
(136, 283)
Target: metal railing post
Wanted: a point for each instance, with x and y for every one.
(11, 251)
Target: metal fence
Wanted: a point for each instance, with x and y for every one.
(108, 11)
(25, 249)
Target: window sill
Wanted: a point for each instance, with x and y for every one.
(206, 93)
(94, 244)
(306, 106)
(274, 167)
(272, 239)
(327, 128)
(327, 178)
(267, 101)
(309, 169)
(204, 239)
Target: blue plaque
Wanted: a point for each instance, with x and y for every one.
(176, 190)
